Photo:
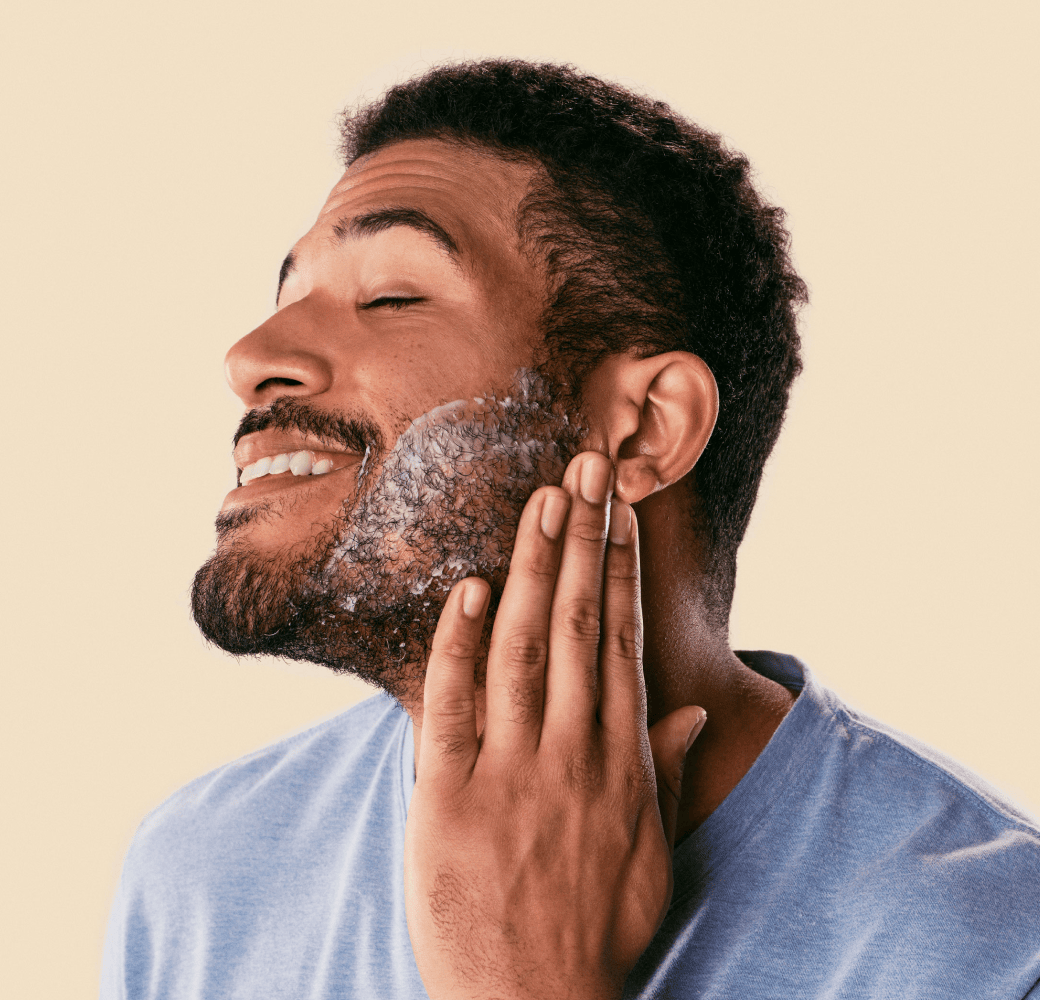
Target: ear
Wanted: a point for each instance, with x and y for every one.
(654, 416)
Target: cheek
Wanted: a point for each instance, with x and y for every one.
(514, 318)
(426, 373)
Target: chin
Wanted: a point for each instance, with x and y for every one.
(251, 606)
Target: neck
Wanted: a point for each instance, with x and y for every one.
(687, 661)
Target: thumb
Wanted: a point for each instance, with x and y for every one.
(670, 740)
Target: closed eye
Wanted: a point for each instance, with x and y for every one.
(391, 302)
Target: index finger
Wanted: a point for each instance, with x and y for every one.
(520, 641)
(448, 743)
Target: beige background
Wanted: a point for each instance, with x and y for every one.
(159, 160)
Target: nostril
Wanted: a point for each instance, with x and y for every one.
(269, 362)
(269, 382)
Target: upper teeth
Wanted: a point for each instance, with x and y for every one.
(299, 463)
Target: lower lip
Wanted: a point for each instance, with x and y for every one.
(278, 483)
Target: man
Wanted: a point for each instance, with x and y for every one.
(502, 440)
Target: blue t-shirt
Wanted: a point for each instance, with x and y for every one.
(850, 861)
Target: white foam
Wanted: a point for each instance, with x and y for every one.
(444, 502)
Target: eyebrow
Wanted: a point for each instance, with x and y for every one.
(381, 219)
(377, 221)
(287, 268)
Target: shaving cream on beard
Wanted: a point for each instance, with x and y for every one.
(446, 499)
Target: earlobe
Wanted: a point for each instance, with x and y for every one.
(667, 407)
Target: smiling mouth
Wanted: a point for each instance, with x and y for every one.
(299, 463)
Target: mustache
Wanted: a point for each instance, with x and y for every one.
(354, 432)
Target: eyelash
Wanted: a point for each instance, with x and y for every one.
(395, 302)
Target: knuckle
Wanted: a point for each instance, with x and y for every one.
(450, 710)
(580, 617)
(539, 563)
(591, 533)
(456, 648)
(622, 565)
(625, 641)
(525, 653)
(583, 771)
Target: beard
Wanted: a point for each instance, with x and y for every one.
(363, 596)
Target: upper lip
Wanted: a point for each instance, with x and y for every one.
(264, 444)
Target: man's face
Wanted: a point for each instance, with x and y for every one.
(396, 369)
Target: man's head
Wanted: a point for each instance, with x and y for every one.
(504, 233)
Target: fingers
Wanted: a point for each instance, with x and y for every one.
(572, 676)
(622, 703)
(449, 725)
(568, 632)
(670, 740)
(520, 642)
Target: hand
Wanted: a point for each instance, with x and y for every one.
(538, 854)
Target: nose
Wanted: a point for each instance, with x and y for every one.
(283, 357)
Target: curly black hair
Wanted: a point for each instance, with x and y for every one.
(654, 240)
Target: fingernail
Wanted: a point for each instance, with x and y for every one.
(596, 475)
(697, 727)
(554, 513)
(620, 522)
(472, 599)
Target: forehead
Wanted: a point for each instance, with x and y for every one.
(473, 194)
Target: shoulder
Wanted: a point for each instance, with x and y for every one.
(922, 766)
(329, 767)
(910, 829)
(919, 782)
(935, 838)
(910, 875)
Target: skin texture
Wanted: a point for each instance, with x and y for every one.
(537, 784)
